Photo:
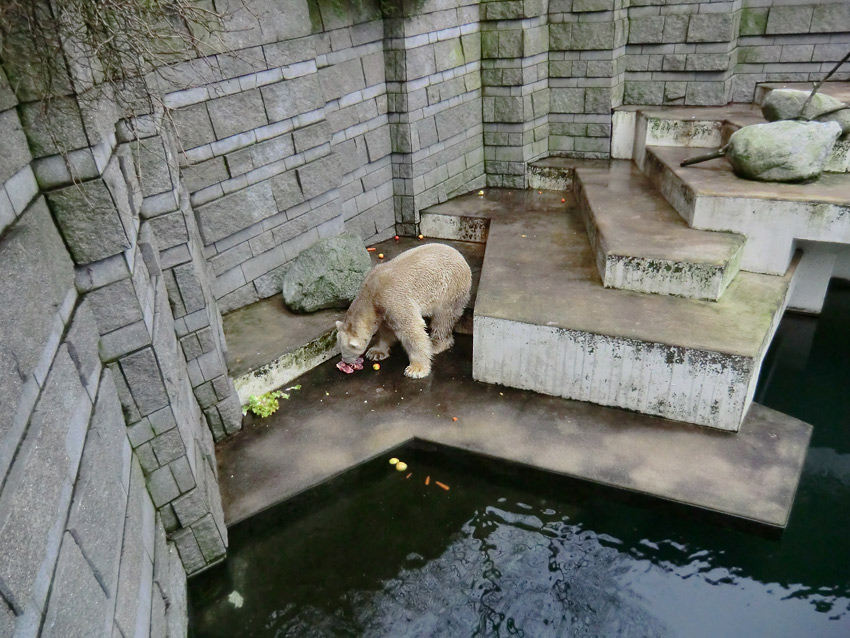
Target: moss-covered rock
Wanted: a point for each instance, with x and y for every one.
(326, 275)
(782, 151)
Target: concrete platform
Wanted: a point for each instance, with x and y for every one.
(643, 244)
(544, 322)
(771, 216)
(269, 346)
(337, 421)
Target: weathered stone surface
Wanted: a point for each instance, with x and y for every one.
(209, 539)
(144, 380)
(14, 152)
(326, 275)
(320, 176)
(37, 279)
(89, 221)
(37, 492)
(77, 605)
(115, 305)
(287, 99)
(223, 217)
(236, 113)
(782, 151)
(136, 571)
(787, 104)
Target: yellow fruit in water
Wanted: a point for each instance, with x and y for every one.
(401, 466)
(480, 192)
(376, 366)
(393, 461)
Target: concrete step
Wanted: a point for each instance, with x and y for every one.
(641, 242)
(637, 127)
(269, 346)
(544, 321)
(773, 217)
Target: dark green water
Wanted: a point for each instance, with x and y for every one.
(511, 553)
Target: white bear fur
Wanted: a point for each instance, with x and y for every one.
(433, 281)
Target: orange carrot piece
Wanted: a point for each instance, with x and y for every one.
(409, 475)
(427, 480)
(443, 485)
(371, 249)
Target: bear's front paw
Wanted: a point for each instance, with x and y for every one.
(377, 354)
(417, 371)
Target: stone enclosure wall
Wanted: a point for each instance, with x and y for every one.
(123, 240)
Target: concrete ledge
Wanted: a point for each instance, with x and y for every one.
(642, 243)
(771, 216)
(752, 475)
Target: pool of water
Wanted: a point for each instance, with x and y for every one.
(509, 552)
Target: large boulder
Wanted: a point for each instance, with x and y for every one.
(783, 151)
(326, 275)
(787, 104)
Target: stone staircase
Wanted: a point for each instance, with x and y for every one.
(644, 285)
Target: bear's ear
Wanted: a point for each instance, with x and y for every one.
(338, 325)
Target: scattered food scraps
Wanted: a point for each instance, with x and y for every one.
(380, 255)
(393, 461)
(376, 366)
(480, 192)
(409, 475)
(401, 466)
(421, 236)
(539, 192)
(235, 599)
(454, 418)
(563, 200)
(523, 235)
(397, 237)
(443, 485)
(371, 249)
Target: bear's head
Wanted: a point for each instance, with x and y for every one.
(351, 345)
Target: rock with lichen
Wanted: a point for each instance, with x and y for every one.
(326, 275)
(787, 104)
(783, 151)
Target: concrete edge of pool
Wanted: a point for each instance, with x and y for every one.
(337, 421)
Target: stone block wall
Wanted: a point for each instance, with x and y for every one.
(789, 42)
(84, 548)
(289, 143)
(587, 42)
(515, 79)
(433, 83)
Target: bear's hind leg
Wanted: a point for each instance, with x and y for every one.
(443, 323)
(385, 339)
(410, 328)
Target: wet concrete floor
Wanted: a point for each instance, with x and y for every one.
(337, 421)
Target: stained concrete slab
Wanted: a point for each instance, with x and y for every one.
(337, 421)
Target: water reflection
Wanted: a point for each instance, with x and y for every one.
(500, 557)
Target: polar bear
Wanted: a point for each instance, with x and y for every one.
(433, 281)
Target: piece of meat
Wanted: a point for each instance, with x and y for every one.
(348, 368)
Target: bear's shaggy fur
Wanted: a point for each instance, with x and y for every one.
(427, 281)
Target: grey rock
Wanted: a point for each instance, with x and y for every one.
(236, 211)
(782, 151)
(115, 305)
(326, 275)
(787, 104)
